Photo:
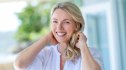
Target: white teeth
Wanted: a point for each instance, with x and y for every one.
(61, 33)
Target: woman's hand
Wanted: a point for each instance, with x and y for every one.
(27, 56)
(82, 39)
(88, 62)
(51, 38)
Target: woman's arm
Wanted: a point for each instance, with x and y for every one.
(26, 57)
(88, 62)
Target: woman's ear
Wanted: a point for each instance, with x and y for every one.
(78, 27)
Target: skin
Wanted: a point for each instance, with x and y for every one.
(62, 23)
(62, 28)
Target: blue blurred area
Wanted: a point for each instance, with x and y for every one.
(7, 39)
(106, 30)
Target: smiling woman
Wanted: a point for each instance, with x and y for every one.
(68, 49)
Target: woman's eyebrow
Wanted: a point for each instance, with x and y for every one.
(67, 19)
(63, 20)
(54, 19)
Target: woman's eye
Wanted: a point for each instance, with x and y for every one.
(67, 22)
(54, 21)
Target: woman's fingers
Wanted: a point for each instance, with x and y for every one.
(52, 38)
(82, 39)
(81, 36)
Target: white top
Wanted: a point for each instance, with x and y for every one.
(49, 59)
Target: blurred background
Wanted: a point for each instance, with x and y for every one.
(24, 21)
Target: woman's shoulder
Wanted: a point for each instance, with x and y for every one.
(47, 49)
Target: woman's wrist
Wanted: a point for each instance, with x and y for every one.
(83, 47)
(45, 39)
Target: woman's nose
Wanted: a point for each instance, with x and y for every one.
(59, 26)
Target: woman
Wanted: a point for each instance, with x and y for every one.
(69, 50)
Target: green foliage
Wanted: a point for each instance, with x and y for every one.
(34, 21)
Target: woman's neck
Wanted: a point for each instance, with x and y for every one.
(62, 48)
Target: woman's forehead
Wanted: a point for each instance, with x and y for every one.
(60, 14)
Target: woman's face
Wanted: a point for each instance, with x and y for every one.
(62, 25)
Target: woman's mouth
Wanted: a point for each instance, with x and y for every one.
(61, 33)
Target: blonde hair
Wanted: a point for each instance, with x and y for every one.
(72, 51)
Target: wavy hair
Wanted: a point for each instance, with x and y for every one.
(73, 10)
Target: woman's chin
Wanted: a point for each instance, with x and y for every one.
(61, 41)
